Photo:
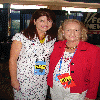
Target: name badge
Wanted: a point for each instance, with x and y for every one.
(40, 67)
(66, 80)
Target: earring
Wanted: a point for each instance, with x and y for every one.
(63, 33)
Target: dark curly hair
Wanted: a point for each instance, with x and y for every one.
(31, 30)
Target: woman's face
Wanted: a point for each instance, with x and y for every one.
(72, 31)
(43, 24)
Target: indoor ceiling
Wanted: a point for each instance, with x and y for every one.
(86, 1)
(63, 3)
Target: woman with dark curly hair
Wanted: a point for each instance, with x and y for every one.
(29, 56)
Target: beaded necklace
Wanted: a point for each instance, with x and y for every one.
(70, 47)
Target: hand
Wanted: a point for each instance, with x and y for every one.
(15, 84)
(88, 99)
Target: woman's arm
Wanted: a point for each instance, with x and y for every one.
(94, 74)
(14, 53)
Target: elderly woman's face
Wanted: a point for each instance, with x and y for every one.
(72, 31)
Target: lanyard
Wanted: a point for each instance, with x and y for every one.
(69, 63)
(60, 63)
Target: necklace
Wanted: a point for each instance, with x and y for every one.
(42, 41)
(70, 47)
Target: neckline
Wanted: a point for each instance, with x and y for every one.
(68, 52)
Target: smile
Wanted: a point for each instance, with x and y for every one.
(72, 37)
(44, 26)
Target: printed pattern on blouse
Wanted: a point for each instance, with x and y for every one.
(33, 67)
(61, 75)
(62, 80)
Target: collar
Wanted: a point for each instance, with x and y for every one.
(82, 46)
(36, 39)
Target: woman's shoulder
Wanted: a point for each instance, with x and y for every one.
(19, 37)
(90, 47)
(60, 43)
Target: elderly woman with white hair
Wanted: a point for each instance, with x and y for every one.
(74, 64)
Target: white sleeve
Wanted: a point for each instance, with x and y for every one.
(18, 37)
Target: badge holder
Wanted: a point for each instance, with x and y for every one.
(40, 67)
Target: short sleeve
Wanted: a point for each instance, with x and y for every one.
(18, 37)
